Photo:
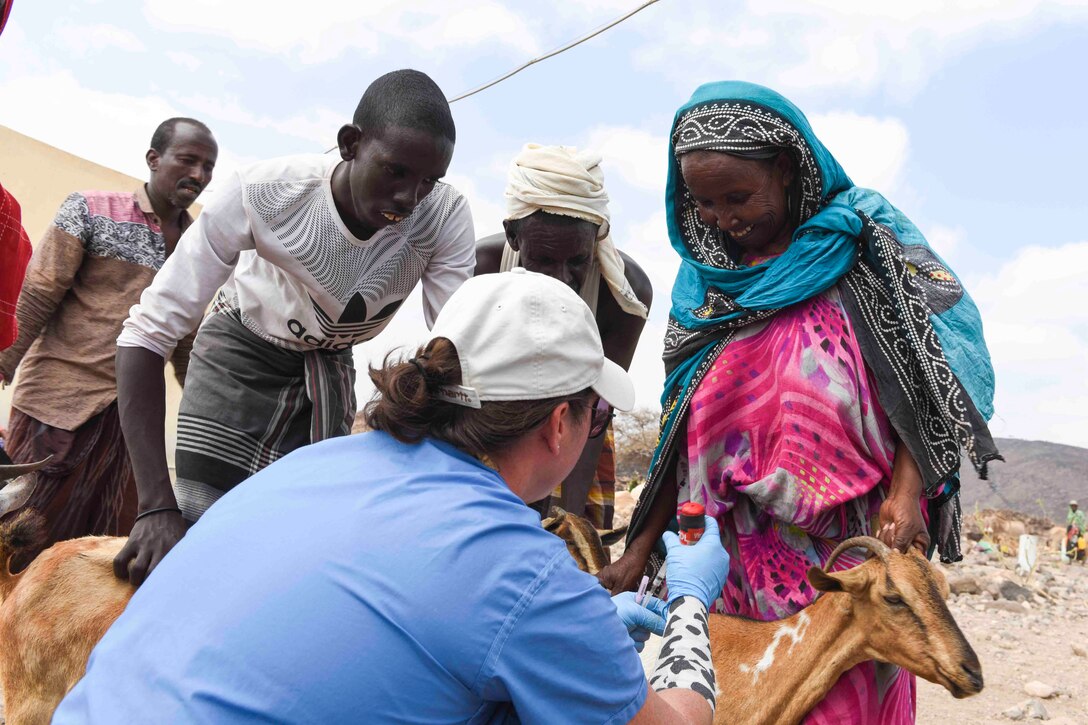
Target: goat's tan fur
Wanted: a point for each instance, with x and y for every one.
(775, 672)
(843, 628)
(52, 614)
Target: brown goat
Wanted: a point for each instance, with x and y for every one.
(889, 608)
(54, 612)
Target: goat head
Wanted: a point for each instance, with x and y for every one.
(899, 601)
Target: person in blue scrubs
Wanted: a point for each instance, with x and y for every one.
(399, 576)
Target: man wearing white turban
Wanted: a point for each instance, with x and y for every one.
(557, 223)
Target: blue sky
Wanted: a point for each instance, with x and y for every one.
(968, 115)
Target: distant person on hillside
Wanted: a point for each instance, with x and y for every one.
(1075, 532)
(1075, 517)
(320, 252)
(558, 224)
(102, 250)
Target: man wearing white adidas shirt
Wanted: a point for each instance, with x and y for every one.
(314, 255)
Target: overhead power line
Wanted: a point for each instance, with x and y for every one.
(551, 54)
(557, 51)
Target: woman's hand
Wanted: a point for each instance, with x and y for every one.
(624, 574)
(901, 523)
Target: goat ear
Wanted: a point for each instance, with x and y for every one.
(16, 493)
(611, 537)
(824, 582)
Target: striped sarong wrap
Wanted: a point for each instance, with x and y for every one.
(248, 403)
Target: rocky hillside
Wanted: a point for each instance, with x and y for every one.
(1037, 478)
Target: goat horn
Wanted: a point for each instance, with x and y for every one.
(18, 469)
(874, 545)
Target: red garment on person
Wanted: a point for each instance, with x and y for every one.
(15, 252)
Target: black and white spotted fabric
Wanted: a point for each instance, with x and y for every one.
(684, 660)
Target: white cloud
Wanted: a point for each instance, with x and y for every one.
(81, 40)
(472, 24)
(855, 45)
(946, 241)
(188, 61)
(647, 241)
(647, 369)
(1037, 330)
(325, 29)
(317, 125)
(487, 214)
(636, 156)
(114, 128)
(873, 151)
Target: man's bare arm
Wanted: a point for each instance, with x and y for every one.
(141, 402)
(620, 331)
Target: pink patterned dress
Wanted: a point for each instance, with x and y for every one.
(790, 450)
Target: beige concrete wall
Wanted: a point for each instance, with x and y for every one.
(40, 176)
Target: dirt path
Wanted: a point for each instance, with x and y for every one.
(1017, 648)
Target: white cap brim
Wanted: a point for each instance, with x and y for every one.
(615, 386)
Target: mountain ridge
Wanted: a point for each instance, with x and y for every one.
(1036, 478)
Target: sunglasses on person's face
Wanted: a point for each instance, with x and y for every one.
(601, 416)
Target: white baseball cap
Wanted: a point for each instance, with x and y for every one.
(526, 336)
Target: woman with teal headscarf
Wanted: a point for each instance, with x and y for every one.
(826, 372)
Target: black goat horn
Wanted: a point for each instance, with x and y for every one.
(19, 469)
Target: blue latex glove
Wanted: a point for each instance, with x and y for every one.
(698, 570)
(641, 619)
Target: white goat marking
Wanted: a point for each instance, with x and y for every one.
(795, 633)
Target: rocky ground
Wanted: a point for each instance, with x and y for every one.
(1031, 635)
